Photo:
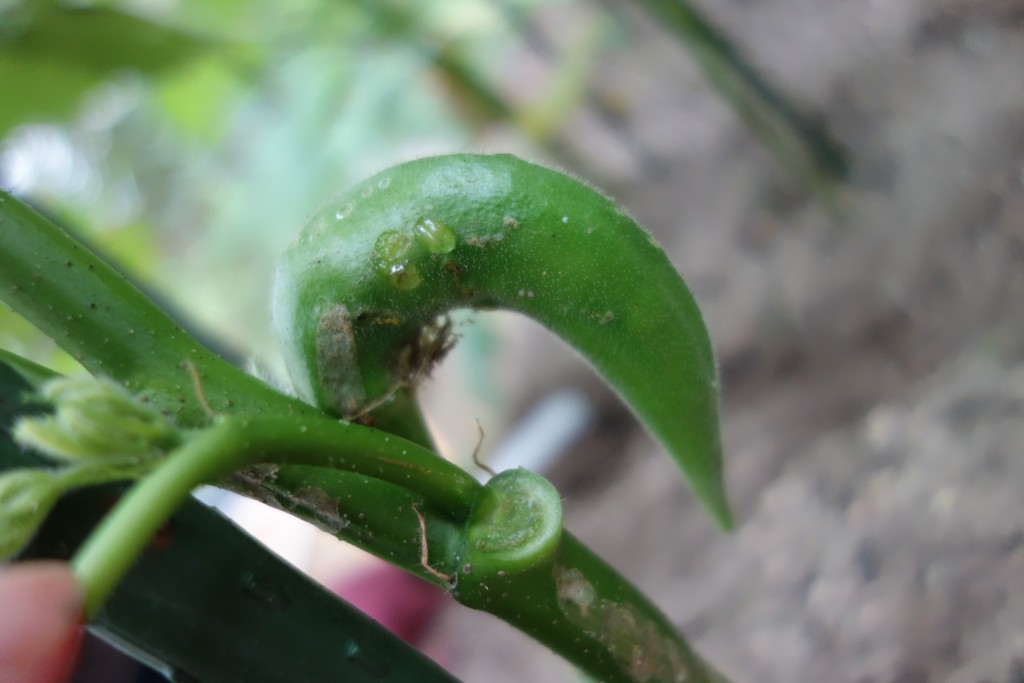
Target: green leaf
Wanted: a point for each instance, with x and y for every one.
(51, 55)
(113, 329)
(197, 99)
(41, 91)
(32, 373)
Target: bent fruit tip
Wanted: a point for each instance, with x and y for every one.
(712, 497)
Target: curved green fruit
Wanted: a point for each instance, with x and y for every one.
(358, 296)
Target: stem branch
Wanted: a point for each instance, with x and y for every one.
(236, 442)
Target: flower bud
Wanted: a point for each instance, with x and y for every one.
(94, 418)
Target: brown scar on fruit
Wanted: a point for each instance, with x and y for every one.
(573, 590)
(337, 360)
(453, 269)
(483, 241)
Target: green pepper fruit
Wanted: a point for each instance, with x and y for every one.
(358, 297)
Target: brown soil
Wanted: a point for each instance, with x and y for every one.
(873, 375)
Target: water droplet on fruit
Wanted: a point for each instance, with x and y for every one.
(391, 259)
(404, 276)
(384, 183)
(391, 247)
(437, 237)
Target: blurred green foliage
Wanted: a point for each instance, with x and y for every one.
(52, 55)
(194, 137)
(190, 139)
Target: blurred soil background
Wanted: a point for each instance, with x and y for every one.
(871, 342)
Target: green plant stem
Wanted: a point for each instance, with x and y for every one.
(238, 441)
(36, 280)
(369, 513)
(28, 494)
(518, 563)
(109, 326)
(544, 599)
(197, 620)
(33, 249)
(586, 611)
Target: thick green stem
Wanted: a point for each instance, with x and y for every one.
(108, 325)
(514, 560)
(517, 563)
(197, 620)
(27, 495)
(236, 442)
(583, 609)
(369, 513)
